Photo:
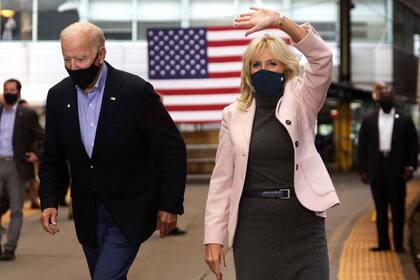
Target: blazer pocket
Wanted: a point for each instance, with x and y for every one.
(316, 175)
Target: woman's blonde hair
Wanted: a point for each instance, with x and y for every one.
(280, 52)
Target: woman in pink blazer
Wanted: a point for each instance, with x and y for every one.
(270, 187)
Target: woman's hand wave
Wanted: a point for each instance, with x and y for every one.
(258, 20)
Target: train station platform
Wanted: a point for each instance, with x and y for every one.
(350, 233)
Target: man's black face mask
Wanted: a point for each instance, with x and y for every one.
(84, 77)
(10, 98)
(386, 105)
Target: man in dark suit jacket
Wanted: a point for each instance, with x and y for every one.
(21, 139)
(103, 121)
(387, 156)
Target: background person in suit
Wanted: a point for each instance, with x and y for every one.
(4, 200)
(387, 158)
(33, 184)
(102, 120)
(269, 187)
(21, 139)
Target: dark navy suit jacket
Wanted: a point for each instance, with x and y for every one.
(404, 145)
(132, 185)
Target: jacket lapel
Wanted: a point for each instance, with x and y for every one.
(375, 130)
(286, 110)
(395, 128)
(246, 122)
(18, 124)
(72, 110)
(110, 102)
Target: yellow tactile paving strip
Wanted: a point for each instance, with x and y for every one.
(358, 263)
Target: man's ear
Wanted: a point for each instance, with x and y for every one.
(103, 54)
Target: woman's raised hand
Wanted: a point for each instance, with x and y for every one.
(259, 19)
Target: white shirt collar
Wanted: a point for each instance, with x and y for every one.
(12, 110)
(391, 113)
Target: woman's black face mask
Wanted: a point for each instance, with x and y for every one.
(267, 83)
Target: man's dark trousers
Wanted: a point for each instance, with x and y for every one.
(386, 189)
(114, 255)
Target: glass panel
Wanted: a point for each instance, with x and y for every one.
(312, 11)
(15, 20)
(416, 39)
(327, 30)
(212, 13)
(369, 21)
(114, 17)
(158, 10)
(143, 26)
(54, 16)
(227, 21)
(115, 30)
(272, 4)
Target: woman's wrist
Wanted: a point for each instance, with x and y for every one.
(213, 244)
(280, 20)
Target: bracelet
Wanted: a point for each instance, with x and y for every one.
(280, 21)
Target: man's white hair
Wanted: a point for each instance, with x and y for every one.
(81, 28)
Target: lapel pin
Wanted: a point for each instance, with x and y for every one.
(396, 116)
(113, 98)
(68, 105)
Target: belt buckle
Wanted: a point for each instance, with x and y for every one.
(287, 193)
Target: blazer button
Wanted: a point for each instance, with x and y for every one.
(91, 167)
(296, 144)
(297, 166)
(288, 122)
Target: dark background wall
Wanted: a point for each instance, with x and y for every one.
(406, 20)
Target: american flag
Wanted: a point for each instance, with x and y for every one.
(197, 70)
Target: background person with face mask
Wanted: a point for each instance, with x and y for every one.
(270, 188)
(21, 138)
(387, 158)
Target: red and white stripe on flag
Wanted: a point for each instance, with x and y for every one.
(201, 100)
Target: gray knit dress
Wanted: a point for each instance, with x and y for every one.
(276, 239)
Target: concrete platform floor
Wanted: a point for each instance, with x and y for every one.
(43, 257)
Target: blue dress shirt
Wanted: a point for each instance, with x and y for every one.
(89, 106)
(7, 123)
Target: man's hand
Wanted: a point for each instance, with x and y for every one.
(166, 222)
(408, 174)
(31, 157)
(364, 178)
(49, 220)
(214, 257)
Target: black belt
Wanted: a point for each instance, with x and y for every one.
(273, 194)
(6, 158)
(385, 154)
